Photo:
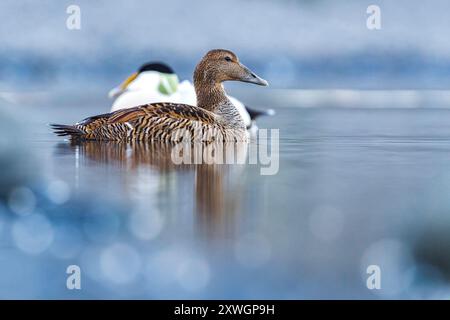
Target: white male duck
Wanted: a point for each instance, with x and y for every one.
(156, 82)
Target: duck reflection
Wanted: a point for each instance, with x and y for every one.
(158, 176)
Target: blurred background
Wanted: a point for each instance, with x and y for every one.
(294, 43)
(364, 120)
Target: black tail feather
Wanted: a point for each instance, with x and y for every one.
(257, 113)
(67, 130)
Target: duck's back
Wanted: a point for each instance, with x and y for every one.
(170, 122)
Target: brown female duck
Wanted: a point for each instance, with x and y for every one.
(215, 117)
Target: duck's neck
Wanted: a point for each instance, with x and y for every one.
(212, 97)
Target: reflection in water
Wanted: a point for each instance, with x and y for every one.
(213, 171)
(355, 188)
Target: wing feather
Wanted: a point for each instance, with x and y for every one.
(157, 121)
(173, 111)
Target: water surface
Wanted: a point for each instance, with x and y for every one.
(355, 187)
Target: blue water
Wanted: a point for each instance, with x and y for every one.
(355, 187)
(363, 174)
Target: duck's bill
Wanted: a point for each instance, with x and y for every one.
(251, 77)
(117, 91)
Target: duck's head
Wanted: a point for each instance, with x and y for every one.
(150, 76)
(157, 67)
(221, 65)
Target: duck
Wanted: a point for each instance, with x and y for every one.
(156, 81)
(214, 118)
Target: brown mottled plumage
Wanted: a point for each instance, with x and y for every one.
(214, 119)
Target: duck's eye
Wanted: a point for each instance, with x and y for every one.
(228, 59)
